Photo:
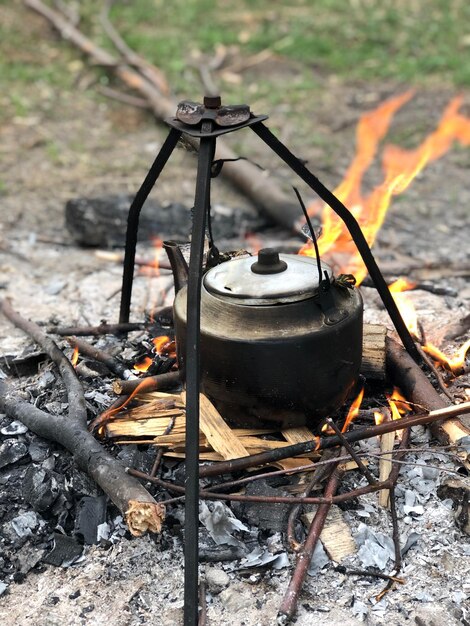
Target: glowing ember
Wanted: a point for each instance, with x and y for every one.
(143, 366)
(164, 346)
(353, 410)
(400, 167)
(404, 304)
(74, 359)
(456, 363)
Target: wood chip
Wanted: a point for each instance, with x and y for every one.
(336, 536)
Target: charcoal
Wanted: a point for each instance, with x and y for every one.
(40, 488)
(3, 588)
(90, 514)
(82, 485)
(271, 517)
(12, 451)
(25, 364)
(65, 552)
(28, 557)
(39, 450)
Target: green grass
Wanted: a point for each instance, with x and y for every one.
(412, 41)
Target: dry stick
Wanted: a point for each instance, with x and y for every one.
(289, 604)
(152, 73)
(160, 382)
(408, 376)
(264, 192)
(365, 471)
(320, 473)
(322, 443)
(96, 331)
(233, 497)
(141, 511)
(113, 365)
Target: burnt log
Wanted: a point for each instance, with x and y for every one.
(415, 386)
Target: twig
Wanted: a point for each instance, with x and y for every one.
(113, 365)
(365, 471)
(96, 331)
(288, 606)
(435, 371)
(321, 471)
(368, 574)
(233, 497)
(141, 511)
(152, 73)
(162, 382)
(322, 443)
(125, 98)
(77, 406)
(160, 450)
(202, 604)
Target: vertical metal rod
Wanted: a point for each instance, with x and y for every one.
(191, 511)
(352, 225)
(133, 221)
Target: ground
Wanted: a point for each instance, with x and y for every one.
(60, 140)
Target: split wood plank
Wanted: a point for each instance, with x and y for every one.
(373, 351)
(297, 435)
(336, 536)
(142, 428)
(218, 433)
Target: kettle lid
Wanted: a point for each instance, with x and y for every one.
(271, 278)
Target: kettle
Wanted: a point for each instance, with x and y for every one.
(278, 343)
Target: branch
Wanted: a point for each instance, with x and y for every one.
(263, 192)
(141, 511)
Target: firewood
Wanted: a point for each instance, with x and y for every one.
(142, 513)
(414, 385)
(385, 465)
(373, 351)
(218, 433)
(297, 435)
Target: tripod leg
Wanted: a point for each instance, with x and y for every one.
(352, 225)
(191, 514)
(133, 221)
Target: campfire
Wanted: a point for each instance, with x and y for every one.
(257, 385)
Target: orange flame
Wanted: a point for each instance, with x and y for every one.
(379, 417)
(164, 346)
(143, 365)
(456, 363)
(353, 410)
(401, 402)
(400, 167)
(74, 359)
(405, 305)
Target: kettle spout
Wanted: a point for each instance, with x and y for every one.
(179, 267)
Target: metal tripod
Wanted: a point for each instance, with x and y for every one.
(206, 122)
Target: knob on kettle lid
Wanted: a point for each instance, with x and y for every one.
(268, 262)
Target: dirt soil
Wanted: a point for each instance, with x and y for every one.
(77, 145)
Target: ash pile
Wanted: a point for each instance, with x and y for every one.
(369, 551)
